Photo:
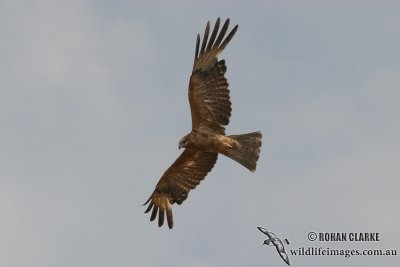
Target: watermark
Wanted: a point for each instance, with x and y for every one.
(343, 236)
(273, 240)
(337, 237)
(346, 253)
(334, 239)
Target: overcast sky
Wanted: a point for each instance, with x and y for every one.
(93, 102)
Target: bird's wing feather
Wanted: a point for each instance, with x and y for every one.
(284, 257)
(208, 88)
(262, 229)
(183, 175)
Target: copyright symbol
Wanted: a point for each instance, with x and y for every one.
(312, 236)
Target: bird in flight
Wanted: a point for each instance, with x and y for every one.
(210, 107)
(273, 240)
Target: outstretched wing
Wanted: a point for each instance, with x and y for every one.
(184, 175)
(264, 231)
(283, 255)
(208, 88)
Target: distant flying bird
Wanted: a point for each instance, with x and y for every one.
(275, 241)
(210, 107)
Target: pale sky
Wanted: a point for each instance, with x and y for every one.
(93, 102)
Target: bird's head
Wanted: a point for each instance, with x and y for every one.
(267, 242)
(184, 142)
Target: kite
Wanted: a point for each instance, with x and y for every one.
(210, 107)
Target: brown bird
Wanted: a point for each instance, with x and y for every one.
(210, 106)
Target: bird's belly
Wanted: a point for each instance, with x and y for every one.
(212, 142)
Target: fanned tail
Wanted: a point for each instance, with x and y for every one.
(248, 151)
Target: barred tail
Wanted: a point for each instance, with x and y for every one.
(248, 150)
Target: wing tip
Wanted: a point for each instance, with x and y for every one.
(160, 207)
(207, 44)
(262, 229)
(147, 201)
